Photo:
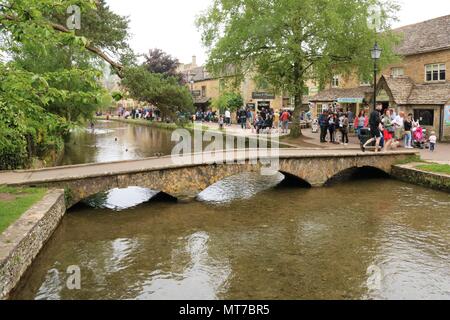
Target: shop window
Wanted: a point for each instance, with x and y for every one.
(435, 72)
(425, 116)
(397, 72)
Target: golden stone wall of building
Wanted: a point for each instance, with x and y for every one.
(414, 66)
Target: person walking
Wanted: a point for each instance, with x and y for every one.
(389, 130)
(276, 120)
(408, 131)
(285, 122)
(375, 128)
(243, 119)
(345, 129)
(433, 141)
(228, 117)
(332, 127)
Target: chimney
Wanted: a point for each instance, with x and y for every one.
(194, 61)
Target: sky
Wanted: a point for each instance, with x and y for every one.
(170, 24)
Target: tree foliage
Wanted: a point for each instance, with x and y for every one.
(287, 42)
(157, 89)
(228, 100)
(49, 79)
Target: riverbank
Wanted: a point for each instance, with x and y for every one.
(22, 241)
(155, 124)
(429, 175)
(15, 201)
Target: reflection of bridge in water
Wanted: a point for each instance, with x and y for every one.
(189, 175)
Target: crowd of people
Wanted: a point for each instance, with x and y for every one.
(334, 123)
(146, 113)
(387, 128)
(390, 129)
(265, 120)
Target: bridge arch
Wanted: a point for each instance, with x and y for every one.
(357, 173)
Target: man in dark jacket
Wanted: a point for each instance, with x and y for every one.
(323, 123)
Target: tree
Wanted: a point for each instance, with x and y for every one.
(157, 61)
(64, 82)
(228, 100)
(286, 42)
(157, 89)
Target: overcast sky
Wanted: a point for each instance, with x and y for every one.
(169, 24)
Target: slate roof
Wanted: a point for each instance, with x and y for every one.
(405, 92)
(427, 36)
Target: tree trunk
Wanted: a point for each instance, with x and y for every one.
(296, 130)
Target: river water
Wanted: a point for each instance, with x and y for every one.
(247, 237)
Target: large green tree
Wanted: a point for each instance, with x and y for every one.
(287, 42)
(157, 89)
(47, 68)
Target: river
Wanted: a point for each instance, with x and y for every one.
(247, 237)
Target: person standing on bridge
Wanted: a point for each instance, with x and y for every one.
(375, 128)
(323, 123)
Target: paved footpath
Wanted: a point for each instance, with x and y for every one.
(152, 164)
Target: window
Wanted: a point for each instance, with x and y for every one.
(435, 72)
(397, 72)
(425, 116)
(203, 91)
(335, 82)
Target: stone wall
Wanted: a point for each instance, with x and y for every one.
(23, 240)
(408, 173)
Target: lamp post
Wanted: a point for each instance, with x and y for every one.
(376, 54)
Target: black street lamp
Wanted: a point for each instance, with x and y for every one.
(376, 55)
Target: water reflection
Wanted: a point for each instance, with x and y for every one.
(114, 141)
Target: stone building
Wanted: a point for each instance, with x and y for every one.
(205, 88)
(417, 84)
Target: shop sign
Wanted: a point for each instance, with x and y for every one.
(350, 100)
(263, 96)
(447, 115)
(196, 93)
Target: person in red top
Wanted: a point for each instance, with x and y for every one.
(285, 116)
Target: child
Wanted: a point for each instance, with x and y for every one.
(221, 122)
(433, 140)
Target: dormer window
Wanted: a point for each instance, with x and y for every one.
(335, 82)
(435, 72)
(397, 72)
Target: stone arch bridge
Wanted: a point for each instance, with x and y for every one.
(192, 174)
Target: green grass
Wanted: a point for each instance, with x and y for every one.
(410, 159)
(159, 125)
(436, 168)
(21, 200)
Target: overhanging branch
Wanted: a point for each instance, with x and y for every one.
(57, 27)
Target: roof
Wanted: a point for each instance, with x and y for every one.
(430, 35)
(198, 74)
(201, 100)
(334, 94)
(405, 92)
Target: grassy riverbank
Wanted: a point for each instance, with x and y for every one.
(435, 168)
(15, 201)
(155, 124)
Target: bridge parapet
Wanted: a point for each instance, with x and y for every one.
(194, 174)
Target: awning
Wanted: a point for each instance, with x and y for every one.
(350, 100)
(202, 100)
